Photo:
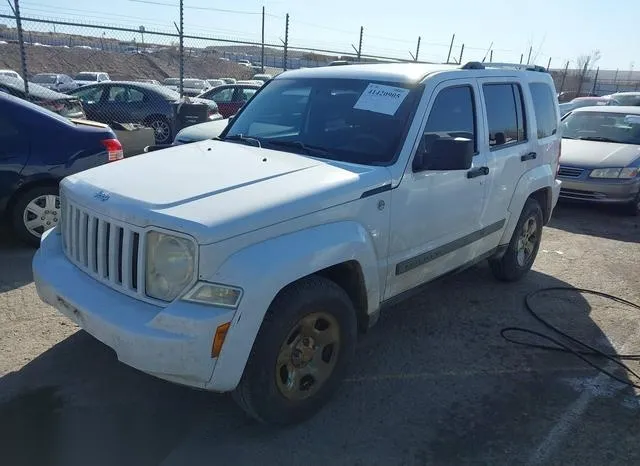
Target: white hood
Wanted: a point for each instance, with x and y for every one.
(215, 190)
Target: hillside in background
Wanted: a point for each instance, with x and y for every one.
(120, 66)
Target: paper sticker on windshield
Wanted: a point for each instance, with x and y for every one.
(632, 119)
(381, 99)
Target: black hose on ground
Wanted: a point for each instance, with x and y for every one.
(586, 350)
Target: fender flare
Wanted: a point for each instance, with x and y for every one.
(537, 178)
(263, 269)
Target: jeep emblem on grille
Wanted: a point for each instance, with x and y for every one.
(102, 196)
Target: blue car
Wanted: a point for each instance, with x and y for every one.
(37, 149)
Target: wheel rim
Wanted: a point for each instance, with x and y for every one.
(308, 356)
(41, 214)
(527, 241)
(161, 130)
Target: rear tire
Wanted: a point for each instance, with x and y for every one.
(161, 129)
(35, 211)
(523, 247)
(301, 353)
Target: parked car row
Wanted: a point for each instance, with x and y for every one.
(618, 98)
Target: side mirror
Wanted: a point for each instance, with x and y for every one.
(445, 154)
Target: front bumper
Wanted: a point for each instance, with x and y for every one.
(612, 191)
(172, 343)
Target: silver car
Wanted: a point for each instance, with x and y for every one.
(600, 159)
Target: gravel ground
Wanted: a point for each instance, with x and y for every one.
(433, 383)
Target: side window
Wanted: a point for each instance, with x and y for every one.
(545, 109)
(452, 116)
(504, 104)
(223, 95)
(90, 95)
(125, 95)
(246, 93)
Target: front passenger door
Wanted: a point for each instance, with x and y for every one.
(436, 214)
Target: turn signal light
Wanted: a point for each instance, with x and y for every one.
(218, 340)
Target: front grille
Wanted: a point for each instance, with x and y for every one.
(570, 172)
(111, 252)
(581, 195)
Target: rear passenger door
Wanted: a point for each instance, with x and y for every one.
(508, 143)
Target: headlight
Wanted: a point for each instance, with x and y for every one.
(170, 265)
(614, 173)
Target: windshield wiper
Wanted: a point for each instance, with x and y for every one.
(239, 137)
(596, 138)
(308, 149)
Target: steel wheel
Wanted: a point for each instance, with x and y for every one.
(161, 130)
(527, 241)
(41, 214)
(308, 356)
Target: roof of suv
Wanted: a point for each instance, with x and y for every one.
(631, 110)
(392, 72)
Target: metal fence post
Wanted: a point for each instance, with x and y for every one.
(262, 49)
(417, 49)
(615, 80)
(181, 48)
(360, 43)
(450, 47)
(564, 77)
(23, 54)
(595, 81)
(461, 52)
(286, 42)
(582, 76)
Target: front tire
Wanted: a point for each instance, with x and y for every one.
(35, 211)
(300, 354)
(523, 247)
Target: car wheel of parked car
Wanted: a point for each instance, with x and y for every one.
(633, 208)
(34, 212)
(524, 245)
(161, 129)
(300, 354)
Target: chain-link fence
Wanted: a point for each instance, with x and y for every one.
(71, 59)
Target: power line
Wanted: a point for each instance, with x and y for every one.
(150, 2)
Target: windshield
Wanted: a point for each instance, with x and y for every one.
(45, 78)
(86, 77)
(341, 119)
(603, 126)
(197, 83)
(171, 82)
(630, 99)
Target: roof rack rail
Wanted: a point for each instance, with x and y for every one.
(476, 65)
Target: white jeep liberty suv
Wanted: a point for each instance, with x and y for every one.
(251, 262)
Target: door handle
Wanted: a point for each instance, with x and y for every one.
(529, 156)
(478, 171)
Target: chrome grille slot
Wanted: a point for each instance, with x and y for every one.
(570, 172)
(110, 251)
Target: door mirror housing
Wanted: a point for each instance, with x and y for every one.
(445, 154)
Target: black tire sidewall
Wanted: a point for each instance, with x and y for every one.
(512, 270)
(316, 294)
(17, 212)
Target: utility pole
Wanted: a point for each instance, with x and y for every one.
(450, 48)
(262, 51)
(286, 41)
(23, 55)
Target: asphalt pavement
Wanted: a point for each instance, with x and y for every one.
(432, 383)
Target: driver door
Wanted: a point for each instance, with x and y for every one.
(436, 214)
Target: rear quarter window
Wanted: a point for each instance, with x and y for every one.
(544, 109)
